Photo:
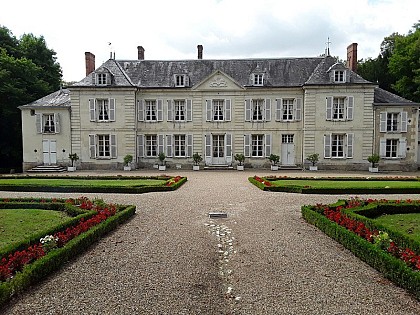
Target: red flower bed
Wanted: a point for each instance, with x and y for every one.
(173, 180)
(17, 260)
(262, 181)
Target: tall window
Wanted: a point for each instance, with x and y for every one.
(287, 109)
(391, 148)
(49, 125)
(257, 145)
(218, 109)
(257, 110)
(151, 110)
(179, 107)
(392, 122)
(338, 107)
(102, 109)
(151, 145)
(104, 146)
(337, 145)
(179, 145)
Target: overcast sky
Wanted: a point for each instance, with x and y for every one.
(172, 29)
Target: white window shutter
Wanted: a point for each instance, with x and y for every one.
(140, 145)
(350, 146)
(159, 110)
(112, 109)
(382, 147)
(329, 102)
(92, 109)
(247, 145)
(402, 150)
(228, 110)
(113, 141)
(228, 148)
(208, 151)
(92, 146)
(350, 107)
(169, 145)
(189, 145)
(161, 144)
(57, 123)
(169, 113)
(38, 123)
(209, 110)
(403, 121)
(189, 109)
(140, 110)
(382, 121)
(279, 109)
(248, 110)
(94, 78)
(267, 145)
(267, 112)
(327, 146)
(298, 109)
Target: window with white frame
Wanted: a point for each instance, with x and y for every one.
(151, 145)
(288, 109)
(179, 110)
(258, 79)
(287, 138)
(338, 145)
(150, 110)
(181, 80)
(48, 123)
(257, 145)
(339, 76)
(393, 122)
(339, 108)
(393, 148)
(102, 109)
(180, 146)
(258, 110)
(218, 110)
(103, 146)
(101, 79)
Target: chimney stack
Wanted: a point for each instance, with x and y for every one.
(352, 57)
(140, 52)
(90, 62)
(200, 51)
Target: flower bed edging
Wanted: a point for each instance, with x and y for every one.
(391, 267)
(39, 269)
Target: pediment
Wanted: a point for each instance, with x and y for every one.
(218, 80)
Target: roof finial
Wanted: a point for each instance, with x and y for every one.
(327, 49)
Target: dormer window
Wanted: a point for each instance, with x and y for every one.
(180, 80)
(101, 78)
(258, 79)
(339, 76)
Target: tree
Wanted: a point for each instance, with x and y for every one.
(28, 71)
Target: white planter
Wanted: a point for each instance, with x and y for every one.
(196, 167)
(274, 167)
(127, 168)
(71, 168)
(240, 167)
(373, 169)
(313, 168)
(162, 167)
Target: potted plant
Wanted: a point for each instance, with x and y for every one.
(127, 162)
(274, 159)
(197, 158)
(162, 157)
(241, 159)
(73, 158)
(313, 158)
(374, 160)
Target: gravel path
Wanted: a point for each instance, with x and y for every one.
(172, 259)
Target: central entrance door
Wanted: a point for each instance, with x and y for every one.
(218, 150)
(49, 150)
(287, 150)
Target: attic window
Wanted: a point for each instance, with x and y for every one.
(102, 79)
(258, 79)
(339, 76)
(180, 80)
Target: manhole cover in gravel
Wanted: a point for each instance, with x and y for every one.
(218, 215)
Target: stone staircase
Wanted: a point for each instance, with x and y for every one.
(47, 169)
(218, 167)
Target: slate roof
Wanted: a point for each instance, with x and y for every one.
(60, 98)
(384, 97)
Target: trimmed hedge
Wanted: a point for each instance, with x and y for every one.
(391, 267)
(41, 268)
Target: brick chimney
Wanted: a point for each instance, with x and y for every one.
(352, 57)
(140, 52)
(90, 62)
(200, 51)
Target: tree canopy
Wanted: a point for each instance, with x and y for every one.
(28, 71)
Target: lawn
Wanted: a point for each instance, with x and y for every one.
(407, 224)
(18, 224)
(369, 184)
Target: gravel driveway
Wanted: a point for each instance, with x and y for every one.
(171, 258)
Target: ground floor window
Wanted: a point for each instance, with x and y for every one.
(257, 145)
(151, 145)
(179, 145)
(338, 145)
(391, 148)
(103, 146)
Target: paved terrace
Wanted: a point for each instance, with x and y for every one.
(171, 258)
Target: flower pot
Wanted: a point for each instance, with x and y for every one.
(313, 168)
(373, 169)
(240, 167)
(71, 168)
(196, 167)
(127, 168)
(274, 167)
(162, 167)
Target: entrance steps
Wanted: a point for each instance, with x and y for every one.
(290, 167)
(218, 167)
(47, 169)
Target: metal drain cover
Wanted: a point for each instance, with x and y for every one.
(217, 215)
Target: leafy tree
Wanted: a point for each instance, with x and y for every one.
(28, 71)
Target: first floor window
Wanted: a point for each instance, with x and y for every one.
(49, 124)
(102, 108)
(338, 108)
(257, 110)
(287, 109)
(179, 145)
(392, 122)
(151, 145)
(218, 109)
(179, 106)
(151, 111)
(257, 145)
